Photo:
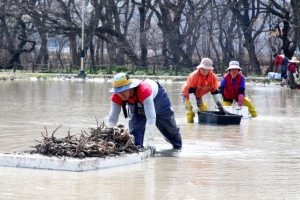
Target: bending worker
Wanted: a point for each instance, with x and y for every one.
(233, 88)
(281, 62)
(199, 83)
(149, 105)
(292, 72)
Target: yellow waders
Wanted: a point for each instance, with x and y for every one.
(246, 102)
(189, 108)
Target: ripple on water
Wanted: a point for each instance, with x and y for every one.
(198, 149)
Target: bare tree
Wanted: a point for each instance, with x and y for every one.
(252, 23)
(286, 24)
(180, 24)
(16, 31)
(226, 33)
(178, 33)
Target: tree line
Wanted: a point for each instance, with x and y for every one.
(161, 33)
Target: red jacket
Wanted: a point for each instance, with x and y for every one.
(278, 61)
(292, 67)
(281, 60)
(231, 91)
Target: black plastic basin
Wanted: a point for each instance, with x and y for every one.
(217, 117)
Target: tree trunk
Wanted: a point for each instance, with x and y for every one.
(74, 52)
(92, 55)
(253, 61)
(43, 52)
(143, 39)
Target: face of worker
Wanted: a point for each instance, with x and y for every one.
(126, 94)
(204, 71)
(234, 72)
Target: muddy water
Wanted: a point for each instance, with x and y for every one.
(258, 159)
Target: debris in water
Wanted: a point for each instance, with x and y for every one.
(101, 142)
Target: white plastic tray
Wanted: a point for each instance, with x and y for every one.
(68, 163)
(238, 110)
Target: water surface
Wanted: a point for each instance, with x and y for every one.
(258, 159)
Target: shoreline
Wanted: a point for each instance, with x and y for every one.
(13, 76)
(21, 76)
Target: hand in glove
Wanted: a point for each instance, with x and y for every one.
(218, 99)
(149, 136)
(240, 99)
(193, 101)
(110, 124)
(295, 77)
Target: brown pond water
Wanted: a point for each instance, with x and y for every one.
(258, 159)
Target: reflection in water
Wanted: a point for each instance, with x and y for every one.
(258, 159)
(168, 153)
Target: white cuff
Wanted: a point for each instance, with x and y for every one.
(110, 124)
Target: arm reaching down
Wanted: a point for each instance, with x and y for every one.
(295, 77)
(114, 113)
(193, 101)
(240, 99)
(218, 100)
(150, 124)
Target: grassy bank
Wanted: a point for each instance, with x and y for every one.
(43, 76)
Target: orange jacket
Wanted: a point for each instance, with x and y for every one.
(202, 84)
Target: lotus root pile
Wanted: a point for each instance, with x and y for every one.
(102, 141)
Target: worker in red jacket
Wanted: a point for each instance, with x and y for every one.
(233, 88)
(149, 108)
(281, 62)
(292, 72)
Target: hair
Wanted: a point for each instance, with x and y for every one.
(274, 55)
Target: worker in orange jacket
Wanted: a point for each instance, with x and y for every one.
(199, 83)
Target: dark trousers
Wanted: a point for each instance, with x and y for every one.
(165, 120)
